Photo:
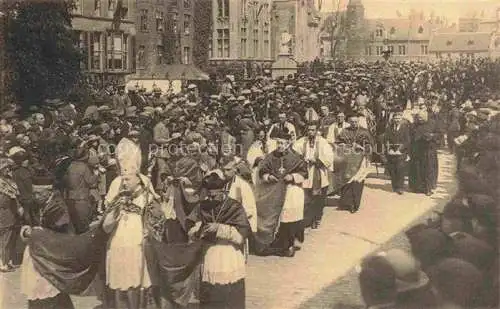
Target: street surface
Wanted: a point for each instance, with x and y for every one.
(321, 275)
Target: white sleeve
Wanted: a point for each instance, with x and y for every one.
(248, 202)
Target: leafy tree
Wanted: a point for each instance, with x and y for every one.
(202, 32)
(44, 59)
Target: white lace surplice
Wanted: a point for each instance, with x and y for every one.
(125, 261)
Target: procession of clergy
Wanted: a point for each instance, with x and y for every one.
(142, 225)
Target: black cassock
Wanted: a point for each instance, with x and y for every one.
(424, 162)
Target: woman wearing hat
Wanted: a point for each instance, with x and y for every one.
(9, 214)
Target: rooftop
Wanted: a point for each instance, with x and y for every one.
(460, 42)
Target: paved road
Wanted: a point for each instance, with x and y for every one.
(321, 274)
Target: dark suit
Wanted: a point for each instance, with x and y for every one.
(79, 180)
(397, 138)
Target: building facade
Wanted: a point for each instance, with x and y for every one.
(482, 43)
(162, 25)
(300, 22)
(241, 30)
(110, 54)
(404, 39)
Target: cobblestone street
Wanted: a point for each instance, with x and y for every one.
(321, 274)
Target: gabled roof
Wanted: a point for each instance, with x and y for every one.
(460, 42)
(403, 28)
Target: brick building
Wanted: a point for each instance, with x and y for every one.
(154, 19)
(241, 31)
(110, 54)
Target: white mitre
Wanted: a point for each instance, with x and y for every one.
(129, 157)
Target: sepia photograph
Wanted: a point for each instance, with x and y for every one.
(249, 154)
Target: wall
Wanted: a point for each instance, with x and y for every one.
(87, 20)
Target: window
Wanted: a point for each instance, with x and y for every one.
(243, 8)
(470, 42)
(420, 30)
(379, 50)
(449, 43)
(379, 33)
(141, 57)
(368, 50)
(223, 43)
(439, 55)
(243, 32)
(77, 10)
(159, 54)
(226, 43)
(144, 20)
(223, 8)
(423, 49)
(266, 47)
(97, 7)
(243, 48)
(116, 51)
(175, 18)
(393, 30)
(96, 50)
(402, 49)
(82, 45)
(186, 55)
(256, 43)
(187, 24)
(159, 21)
(390, 49)
(187, 4)
(111, 7)
(210, 48)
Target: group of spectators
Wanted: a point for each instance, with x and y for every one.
(453, 258)
(65, 154)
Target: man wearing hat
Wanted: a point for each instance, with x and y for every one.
(318, 154)
(280, 199)
(79, 181)
(23, 177)
(223, 274)
(377, 282)
(161, 137)
(9, 214)
(325, 121)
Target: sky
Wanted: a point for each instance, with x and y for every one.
(452, 9)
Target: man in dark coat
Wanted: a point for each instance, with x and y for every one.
(79, 180)
(23, 178)
(397, 142)
(423, 154)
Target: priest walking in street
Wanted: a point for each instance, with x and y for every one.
(280, 200)
(318, 154)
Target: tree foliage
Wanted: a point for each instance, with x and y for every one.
(44, 59)
(202, 32)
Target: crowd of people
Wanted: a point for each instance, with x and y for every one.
(161, 196)
(453, 261)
